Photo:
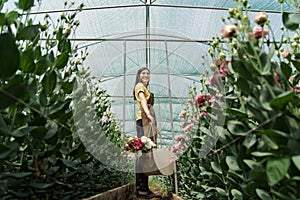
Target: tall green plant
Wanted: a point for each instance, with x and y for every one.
(255, 86)
(41, 156)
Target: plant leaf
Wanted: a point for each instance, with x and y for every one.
(282, 100)
(2, 19)
(276, 169)
(296, 161)
(236, 194)
(296, 64)
(263, 195)
(286, 69)
(236, 112)
(261, 154)
(237, 128)
(249, 141)
(62, 60)
(9, 56)
(221, 191)
(25, 4)
(49, 82)
(12, 16)
(266, 64)
(16, 91)
(272, 132)
(28, 32)
(252, 164)
(22, 131)
(270, 142)
(27, 61)
(232, 163)
(216, 167)
(290, 20)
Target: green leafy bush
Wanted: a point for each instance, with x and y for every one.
(41, 156)
(245, 128)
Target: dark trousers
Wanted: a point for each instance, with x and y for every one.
(141, 178)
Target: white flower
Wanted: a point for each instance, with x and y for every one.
(148, 145)
(144, 139)
(152, 144)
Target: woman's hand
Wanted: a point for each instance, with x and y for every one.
(151, 119)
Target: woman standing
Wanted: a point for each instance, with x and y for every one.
(144, 119)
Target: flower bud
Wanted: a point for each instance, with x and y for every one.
(281, 49)
(222, 55)
(77, 22)
(231, 12)
(261, 18)
(44, 26)
(211, 52)
(245, 2)
(229, 31)
(296, 37)
(68, 30)
(213, 67)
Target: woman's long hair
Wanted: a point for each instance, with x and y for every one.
(138, 79)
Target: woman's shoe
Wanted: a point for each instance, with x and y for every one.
(153, 195)
(142, 194)
(146, 194)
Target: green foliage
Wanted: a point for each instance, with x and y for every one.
(41, 156)
(254, 153)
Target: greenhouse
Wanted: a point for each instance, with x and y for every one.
(77, 79)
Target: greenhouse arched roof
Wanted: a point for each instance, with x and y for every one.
(168, 36)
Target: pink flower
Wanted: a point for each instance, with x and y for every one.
(179, 138)
(277, 80)
(178, 145)
(229, 31)
(181, 115)
(287, 53)
(258, 32)
(174, 160)
(175, 149)
(297, 89)
(223, 70)
(104, 119)
(261, 18)
(215, 78)
(276, 77)
(203, 113)
(187, 126)
(185, 145)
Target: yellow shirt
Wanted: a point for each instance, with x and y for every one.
(140, 88)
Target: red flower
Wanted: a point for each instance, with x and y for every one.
(203, 100)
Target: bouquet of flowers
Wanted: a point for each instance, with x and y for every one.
(136, 145)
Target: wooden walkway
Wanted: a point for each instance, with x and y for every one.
(127, 192)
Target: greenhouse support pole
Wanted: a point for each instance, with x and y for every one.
(148, 3)
(171, 114)
(124, 87)
(124, 92)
